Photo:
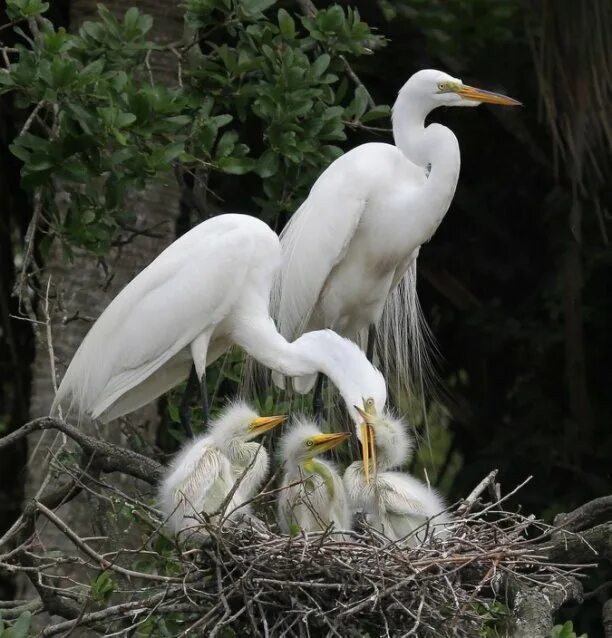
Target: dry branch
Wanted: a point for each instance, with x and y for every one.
(106, 456)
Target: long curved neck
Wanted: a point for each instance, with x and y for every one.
(433, 146)
(312, 466)
(342, 361)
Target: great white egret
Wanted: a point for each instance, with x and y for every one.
(350, 250)
(395, 503)
(208, 290)
(203, 473)
(313, 497)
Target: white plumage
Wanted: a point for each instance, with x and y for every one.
(313, 496)
(203, 473)
(209, 290)
(357, 236)
(395, 503)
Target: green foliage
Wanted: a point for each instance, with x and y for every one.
(100, 127)
(102, 587)
(19, 629)
(495, 616)
(283, 84)
(22, 9)
(565, 631)
(101, 124)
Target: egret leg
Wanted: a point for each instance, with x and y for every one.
(317, 399)
(184, 411)
(204, 396)
(371, 343)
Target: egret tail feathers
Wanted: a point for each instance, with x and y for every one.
(405, 343)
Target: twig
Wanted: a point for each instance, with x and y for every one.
(86, 549)
(21, 285)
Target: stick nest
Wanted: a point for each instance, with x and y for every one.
(323, 584)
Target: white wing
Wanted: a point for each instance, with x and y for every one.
(141, 336)
(198, 480)
(314, 241)
(406, 504)
(318, 234)
(303, 507)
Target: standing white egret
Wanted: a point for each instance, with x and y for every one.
(352, 245)
(203, 473)
(208, 290)
(313, 497)
(395, 503)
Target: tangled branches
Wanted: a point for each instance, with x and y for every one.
(495, 568)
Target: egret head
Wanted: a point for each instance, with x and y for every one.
(434, 88)
(384, 439)
(305, 440)
(240, 421)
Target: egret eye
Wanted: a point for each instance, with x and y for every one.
(370, 403)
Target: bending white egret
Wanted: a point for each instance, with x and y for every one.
(203, 473)
(395, 503)
(313, 497)
(208, 290)
(358, 234)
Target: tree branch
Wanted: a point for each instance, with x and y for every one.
(534, 607)
(597, 511)
(106, 456)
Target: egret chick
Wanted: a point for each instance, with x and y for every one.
(314, 496)
(203, 473)
(395, 503)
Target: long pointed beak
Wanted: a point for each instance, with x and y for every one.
(324, 442)
(368, 450)
(480, 95)
(264, 423)
(365, 450)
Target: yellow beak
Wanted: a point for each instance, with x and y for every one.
(324, 442)
(264, 423)
(480, 95)
(368, 443)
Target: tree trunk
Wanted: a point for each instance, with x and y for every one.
(82, 289)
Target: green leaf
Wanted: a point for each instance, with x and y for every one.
(222, 120)
(124, 119)
(172, 151)
(268, 164)
(88, 216)
(319, 66)
(360, 103)
(226, 144)
(251, 7)
(103, 587)
(173, 413)
(236, 165)
(286, 24)
(331, 19)
(377, 113)
(21, 628)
